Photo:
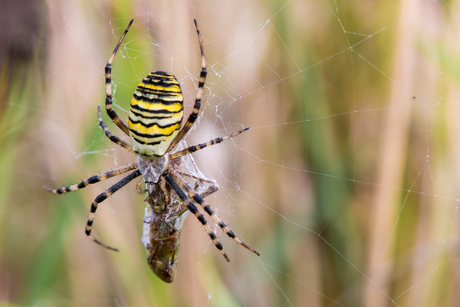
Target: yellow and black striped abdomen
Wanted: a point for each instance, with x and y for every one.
(156, 113)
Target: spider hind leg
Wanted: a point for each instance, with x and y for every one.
(100, 198)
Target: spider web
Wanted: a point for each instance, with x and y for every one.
(346, 183)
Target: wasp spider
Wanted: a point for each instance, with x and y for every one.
(154, 127)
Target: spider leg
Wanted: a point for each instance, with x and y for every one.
(199, 200)
(199, 94)
(95, 179)
(195, 211)
(112, 137)
(103, 196)
(215, 141)
(108, 86)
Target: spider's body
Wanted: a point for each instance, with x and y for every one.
(173, 183)
(155, 114)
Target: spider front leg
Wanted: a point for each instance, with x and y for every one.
(108, 86)
(199, 94)
(117, 186)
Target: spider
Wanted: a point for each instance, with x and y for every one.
(154, 127)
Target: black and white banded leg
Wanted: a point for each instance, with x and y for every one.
(95, 179)
(199, 95)
(215, 141)
(109, 134)
(108, 85)
(190, 206)
(199, 200)
(103, 196)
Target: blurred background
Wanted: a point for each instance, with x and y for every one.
(347, 182)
